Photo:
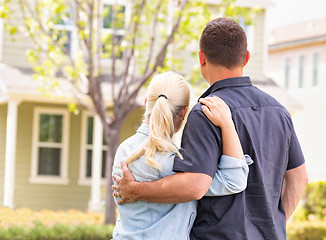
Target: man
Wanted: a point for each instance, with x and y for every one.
(277, 178)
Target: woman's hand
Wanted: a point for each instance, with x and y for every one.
(217, 111)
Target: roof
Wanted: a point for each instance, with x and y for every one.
(269, 86)
(19, 82)
(12, 78)
(311, 31)
(247, 3)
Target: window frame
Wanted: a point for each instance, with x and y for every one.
(62, 179)
(84, 147)
(119, 32)
(73, 35)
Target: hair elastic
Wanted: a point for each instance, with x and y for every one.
(162, 95)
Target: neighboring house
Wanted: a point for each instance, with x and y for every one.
(297, 61)
(42, 168)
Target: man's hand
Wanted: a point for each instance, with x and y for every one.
(126, 186)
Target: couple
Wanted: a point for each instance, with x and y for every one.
(211, 167)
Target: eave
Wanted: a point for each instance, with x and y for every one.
(297, 43)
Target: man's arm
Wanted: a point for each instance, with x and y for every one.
(295, 181)
(176, 188)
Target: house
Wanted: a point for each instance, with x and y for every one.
(297, 62)
(42, 168)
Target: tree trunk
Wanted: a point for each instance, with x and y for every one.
(113, 140)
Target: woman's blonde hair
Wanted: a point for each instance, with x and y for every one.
(167, 94)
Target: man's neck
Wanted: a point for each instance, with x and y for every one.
(218, 73)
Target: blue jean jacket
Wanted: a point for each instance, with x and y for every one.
(158, 221)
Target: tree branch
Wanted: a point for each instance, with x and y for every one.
(161, 55)
(151, 46)
(44, 30)
(133, 27)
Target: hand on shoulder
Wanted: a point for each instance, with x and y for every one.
(217, 111)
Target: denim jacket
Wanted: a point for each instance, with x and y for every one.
(158, 221)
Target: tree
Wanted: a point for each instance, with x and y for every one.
(72, 37)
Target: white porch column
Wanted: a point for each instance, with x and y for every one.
(95, 201)
(10, 161)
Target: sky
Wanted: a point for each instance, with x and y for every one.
(291, 11)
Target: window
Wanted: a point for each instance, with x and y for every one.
(63, 30)
(301, 71)
(108, 16)
(50, 140)
(249, 30)
(315, 69)
(87, 150)
(287, 73)
(107, 26)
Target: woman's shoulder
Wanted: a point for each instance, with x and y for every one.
(125, 149)
(166, 160)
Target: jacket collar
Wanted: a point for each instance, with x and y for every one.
(228, 82)
(144, 129)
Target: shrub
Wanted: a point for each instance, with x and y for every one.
(27, 217)
(314, 230)
(314, 202)
(57, 232)
(26, 224)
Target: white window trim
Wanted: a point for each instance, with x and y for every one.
(41, 179)
(83, 180)
(106, 61)
(73, 36)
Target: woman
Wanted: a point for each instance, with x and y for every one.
(150, 154)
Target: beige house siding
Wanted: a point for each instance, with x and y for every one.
(40, 196)
(255, 66)
(44, 196)
(3, 114)
(310, 120)
(14, 47)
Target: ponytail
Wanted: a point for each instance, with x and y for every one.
(168, 94)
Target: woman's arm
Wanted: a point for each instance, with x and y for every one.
(218, 112)
(231, 175)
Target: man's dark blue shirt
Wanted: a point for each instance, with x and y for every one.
(266, 133)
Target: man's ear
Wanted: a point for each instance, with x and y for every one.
(247, 58)
(202, 58)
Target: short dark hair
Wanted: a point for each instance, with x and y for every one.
(224, 42)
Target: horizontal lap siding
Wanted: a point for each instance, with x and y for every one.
(255, 66)
(55, 197)
(14, 47)
(43, 196)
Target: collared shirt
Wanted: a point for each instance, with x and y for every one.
(156, 221)
(266, 133)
